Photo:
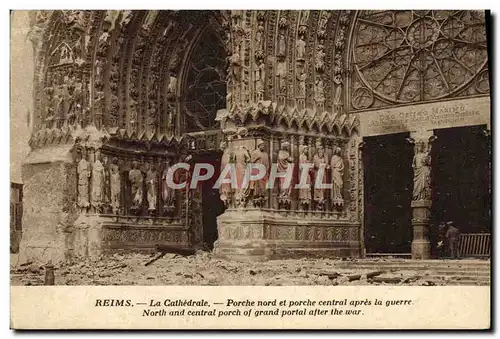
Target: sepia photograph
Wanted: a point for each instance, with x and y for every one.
(323, 148)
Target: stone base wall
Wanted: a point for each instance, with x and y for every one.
(47, 214)
(261, 235)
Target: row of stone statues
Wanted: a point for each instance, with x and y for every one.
(313, 177)
(100, 187)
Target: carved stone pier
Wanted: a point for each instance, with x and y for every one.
(422, 194)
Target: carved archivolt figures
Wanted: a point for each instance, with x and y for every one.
(305, 177)
(84, 173)
(259, 187)
(337, 166)
(320, 166)
(284, 164)
(421, 173)
(136, 181)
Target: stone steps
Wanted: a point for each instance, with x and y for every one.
(450, 272)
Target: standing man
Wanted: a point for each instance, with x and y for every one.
(452, 237)
(448, 238)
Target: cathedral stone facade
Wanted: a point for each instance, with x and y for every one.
(121, 96)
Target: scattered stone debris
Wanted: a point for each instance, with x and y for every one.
(202, 268)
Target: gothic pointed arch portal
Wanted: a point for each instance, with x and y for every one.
(123, 95)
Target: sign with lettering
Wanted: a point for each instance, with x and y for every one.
(444, 114)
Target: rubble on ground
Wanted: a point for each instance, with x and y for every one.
(203, 269)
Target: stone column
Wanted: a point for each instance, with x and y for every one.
(422, 194)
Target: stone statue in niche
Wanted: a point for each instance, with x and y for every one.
(66, 55)
(305, 172)
(337, 100)
(319, 89)
(285, 161)
(337, 166)
(152, 188)
(421, 173)
(241, 158)
(259, 187)
(260, 75)
(133, 114)
(115, 185)
(84, 174)
(259, 37)
(281, 45)
(99, 66)
(304, 17)
(225, 190)
(107, 183)
(302, 83)
(97, 187)
(168, 193)
(320, 57)
(74, 18)
(320, 178)
(235, 65)
(136, 183)
(301, 48)
(172, 87)
(75, 100)
(281, 74)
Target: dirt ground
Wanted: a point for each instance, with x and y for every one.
(203, 269)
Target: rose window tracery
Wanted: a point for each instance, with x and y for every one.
(409, 56)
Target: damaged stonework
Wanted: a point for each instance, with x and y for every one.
(49, 176)
(51, 218)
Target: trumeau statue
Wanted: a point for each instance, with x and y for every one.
(136, 181)
(285, 160)
(421, 173)
(83, 182)
(152, 188)
(259, 187)
(320, 167)
(337, 166)
(305, 172)
(115, 185)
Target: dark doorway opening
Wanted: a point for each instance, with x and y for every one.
(388, 181)
(211, 204)
(461, 176)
